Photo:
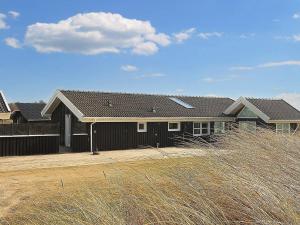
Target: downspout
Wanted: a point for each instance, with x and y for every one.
(91, 136)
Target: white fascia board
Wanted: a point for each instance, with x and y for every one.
(5, 116)
(284, 121)
(234, 106)
(5, 101)
(155, 119)
(60, 96)
(244, 102)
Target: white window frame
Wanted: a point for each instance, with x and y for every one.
(142, 130)
(201, 128)
(280, 131)
(178, 127)
(223, 127)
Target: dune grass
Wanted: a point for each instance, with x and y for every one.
(244, 178)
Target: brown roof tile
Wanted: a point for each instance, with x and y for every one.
(276, 109)
(103, 104)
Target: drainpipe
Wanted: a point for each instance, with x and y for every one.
(91, 138)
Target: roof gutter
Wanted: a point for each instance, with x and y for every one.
(155, 119)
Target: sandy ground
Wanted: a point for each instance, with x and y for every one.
(80, 159)
(22, 177)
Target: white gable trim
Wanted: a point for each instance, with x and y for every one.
(53, 102)
(242, 102)
(4, 99)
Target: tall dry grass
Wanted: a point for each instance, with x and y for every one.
(244, 178)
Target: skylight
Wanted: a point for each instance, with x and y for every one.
(182, 103)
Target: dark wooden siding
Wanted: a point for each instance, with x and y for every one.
(32, 145)
(116, 136)
(77, 127)
(28, 139)
(80, 143)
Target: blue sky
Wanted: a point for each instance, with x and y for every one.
(223, 48)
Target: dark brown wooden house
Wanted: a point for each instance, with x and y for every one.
(27, 113)
(108, 121)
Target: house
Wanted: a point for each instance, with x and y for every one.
(273, 113)
(27, 113)
(107, 121)
(4, 110)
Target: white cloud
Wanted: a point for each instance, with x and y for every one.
(220, 79)
(96, 33)
(3, 24)
(296, 16)
(208, 35)
(129, 68)
(246, 36)
(14, 14)
(292, 98)
(145, 48)
(12, 42)
(151, 75)
(296, 37)
(184, 35)
(267, 65)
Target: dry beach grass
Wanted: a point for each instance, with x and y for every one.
(255, 180)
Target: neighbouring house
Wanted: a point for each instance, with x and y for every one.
(27, 113)
(100, 121)
(273, 113)
(4, 110)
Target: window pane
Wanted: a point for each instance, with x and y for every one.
(279, 126)
(246, 113)
(173, 126)
(196, 131)
(286, 128)
(204, 125)
(196, 125)
(205, 131)
(219, 127)
(141, 126)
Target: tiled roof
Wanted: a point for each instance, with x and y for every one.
(276, 109)
(30, 111)
(3, 107)
(102, 104)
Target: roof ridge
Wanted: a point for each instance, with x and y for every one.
(271, 99)
(144, 94)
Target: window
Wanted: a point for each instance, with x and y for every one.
(247, 126)
(200, 129)
(283, 128)
(219, 128)
(174, 126)
(142, 127)
(246, 113)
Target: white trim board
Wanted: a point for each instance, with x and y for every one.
(156, 119)
(55, 100)
(5, 101)
(33, 135)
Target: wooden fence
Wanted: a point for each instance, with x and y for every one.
(29, 139)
